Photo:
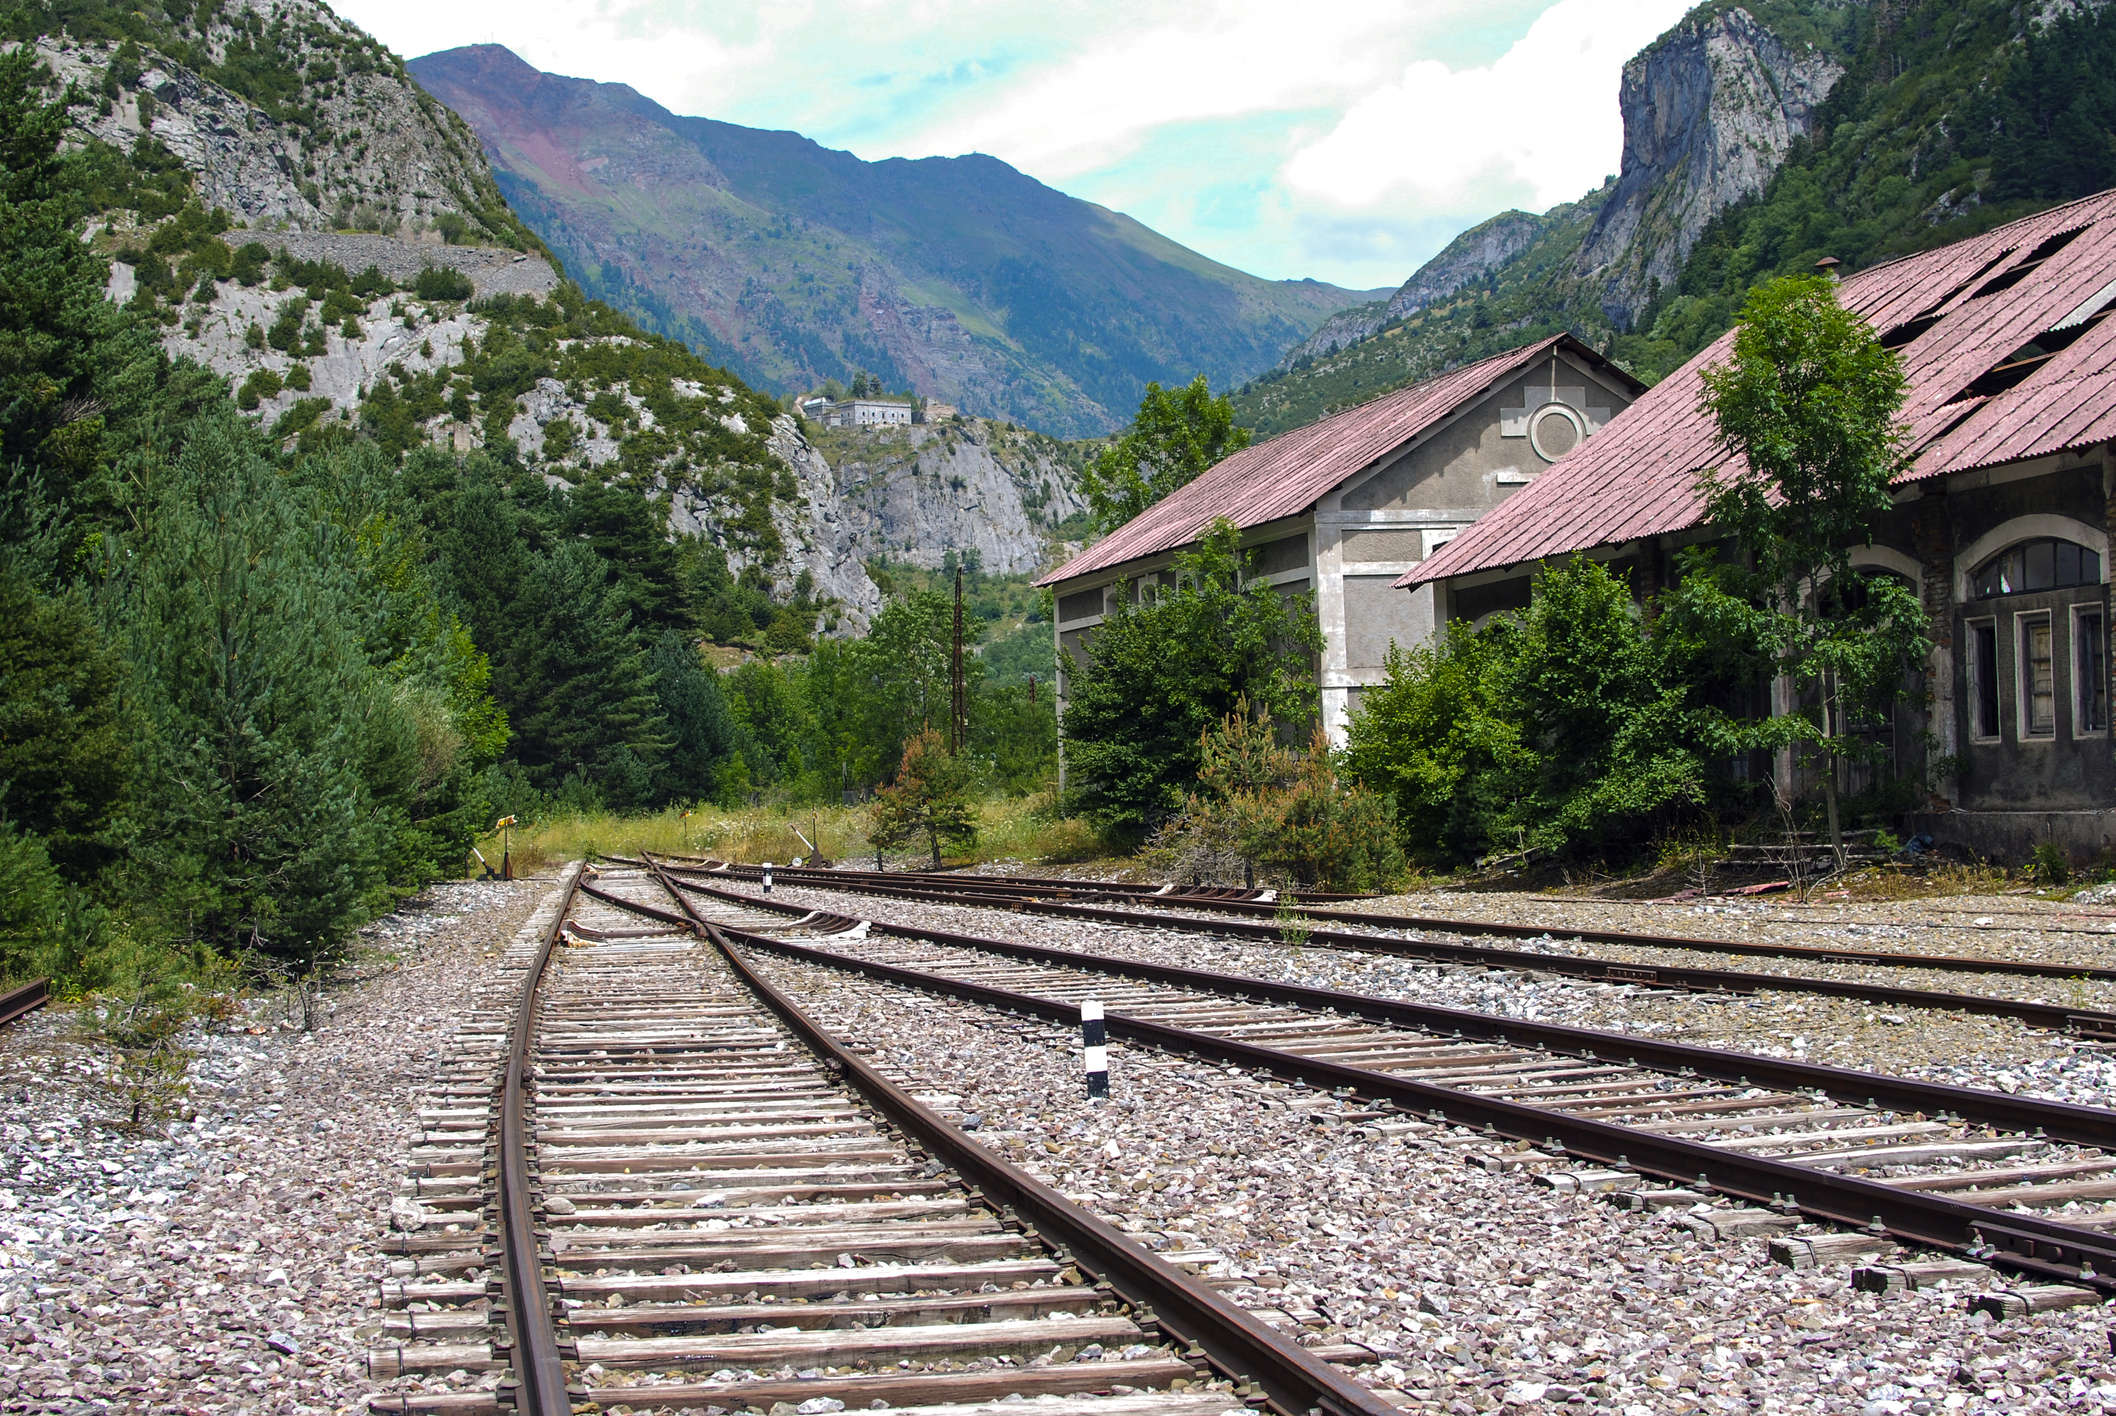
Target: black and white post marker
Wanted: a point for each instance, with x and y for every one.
(1094, 1049)
(767, 877)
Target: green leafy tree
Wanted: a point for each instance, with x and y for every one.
(1177, 434)
(1014, 735)
(773, 715)
(1164, 670)
(930, 797)
(1809, 401)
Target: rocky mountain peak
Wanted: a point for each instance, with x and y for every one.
(1709, 112)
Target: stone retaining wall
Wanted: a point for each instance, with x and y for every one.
(491, 272)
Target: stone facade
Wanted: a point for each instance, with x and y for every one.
(2006, 725)
(1346, 549)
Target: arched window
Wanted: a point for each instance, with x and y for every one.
(2045, 563)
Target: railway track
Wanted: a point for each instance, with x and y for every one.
(1742, 1144)
(1260, 904)
(2058, 1017)
(652, 1181)
(23, 999)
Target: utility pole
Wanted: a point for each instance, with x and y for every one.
(958, 709)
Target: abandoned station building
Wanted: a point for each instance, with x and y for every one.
(1342, 508)
(2002, 521)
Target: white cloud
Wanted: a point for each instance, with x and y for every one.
(1191, 63)
(1364, 131)
(1541, 121)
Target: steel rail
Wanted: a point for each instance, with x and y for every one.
(2059, 1120)
(1230, 893)
(2025, 1243)
(1952, 963)
(24, 998)
(1243, 1348)
(538, 1368)
(2083, 1022)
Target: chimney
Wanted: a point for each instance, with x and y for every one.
(1828, 266)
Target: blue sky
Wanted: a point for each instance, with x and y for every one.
(1346, 140)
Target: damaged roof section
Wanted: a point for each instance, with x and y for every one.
(2007, 343)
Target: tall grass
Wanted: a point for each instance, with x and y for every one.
(1025, 829)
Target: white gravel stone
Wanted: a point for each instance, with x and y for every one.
(1979, 1051)
(1474, 1291)
(226, 1262)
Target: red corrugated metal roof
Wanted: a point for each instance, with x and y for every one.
(1293, 471)
(1637, 477)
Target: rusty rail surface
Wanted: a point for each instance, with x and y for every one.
(538, 1369)
(24, 998)
(2085, 1125)
(1030, 888)
(1240, 1346)
(2025, 1242)
(2083, 1022)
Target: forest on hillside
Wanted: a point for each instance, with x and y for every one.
(257, 683)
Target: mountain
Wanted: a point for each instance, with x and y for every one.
(298, 216)
(1507, 263)
(1758, 138)
(960, 278)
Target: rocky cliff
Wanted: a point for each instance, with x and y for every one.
(914, 494)
(1709, 111)
(1475, 255)
(289, 119)
(344, 193)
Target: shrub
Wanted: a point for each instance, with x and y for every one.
(2047, 864)
(1572, 722)
(1285, 815)
(249, 263)
(435, 283)
(261, 384)
(285, 333)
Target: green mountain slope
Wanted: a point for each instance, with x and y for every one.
(959, 278)
(1455, 311)
(1948, 117)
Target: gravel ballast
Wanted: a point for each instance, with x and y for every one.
(226, 1262)
(1474, 1291)
(1956, 1048)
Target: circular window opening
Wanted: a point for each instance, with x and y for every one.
(1554, 431)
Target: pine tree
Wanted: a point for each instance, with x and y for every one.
(930, 798)
(63, 731)
(578, 686)
(257, 823)
(70, 362)
(702, 745)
